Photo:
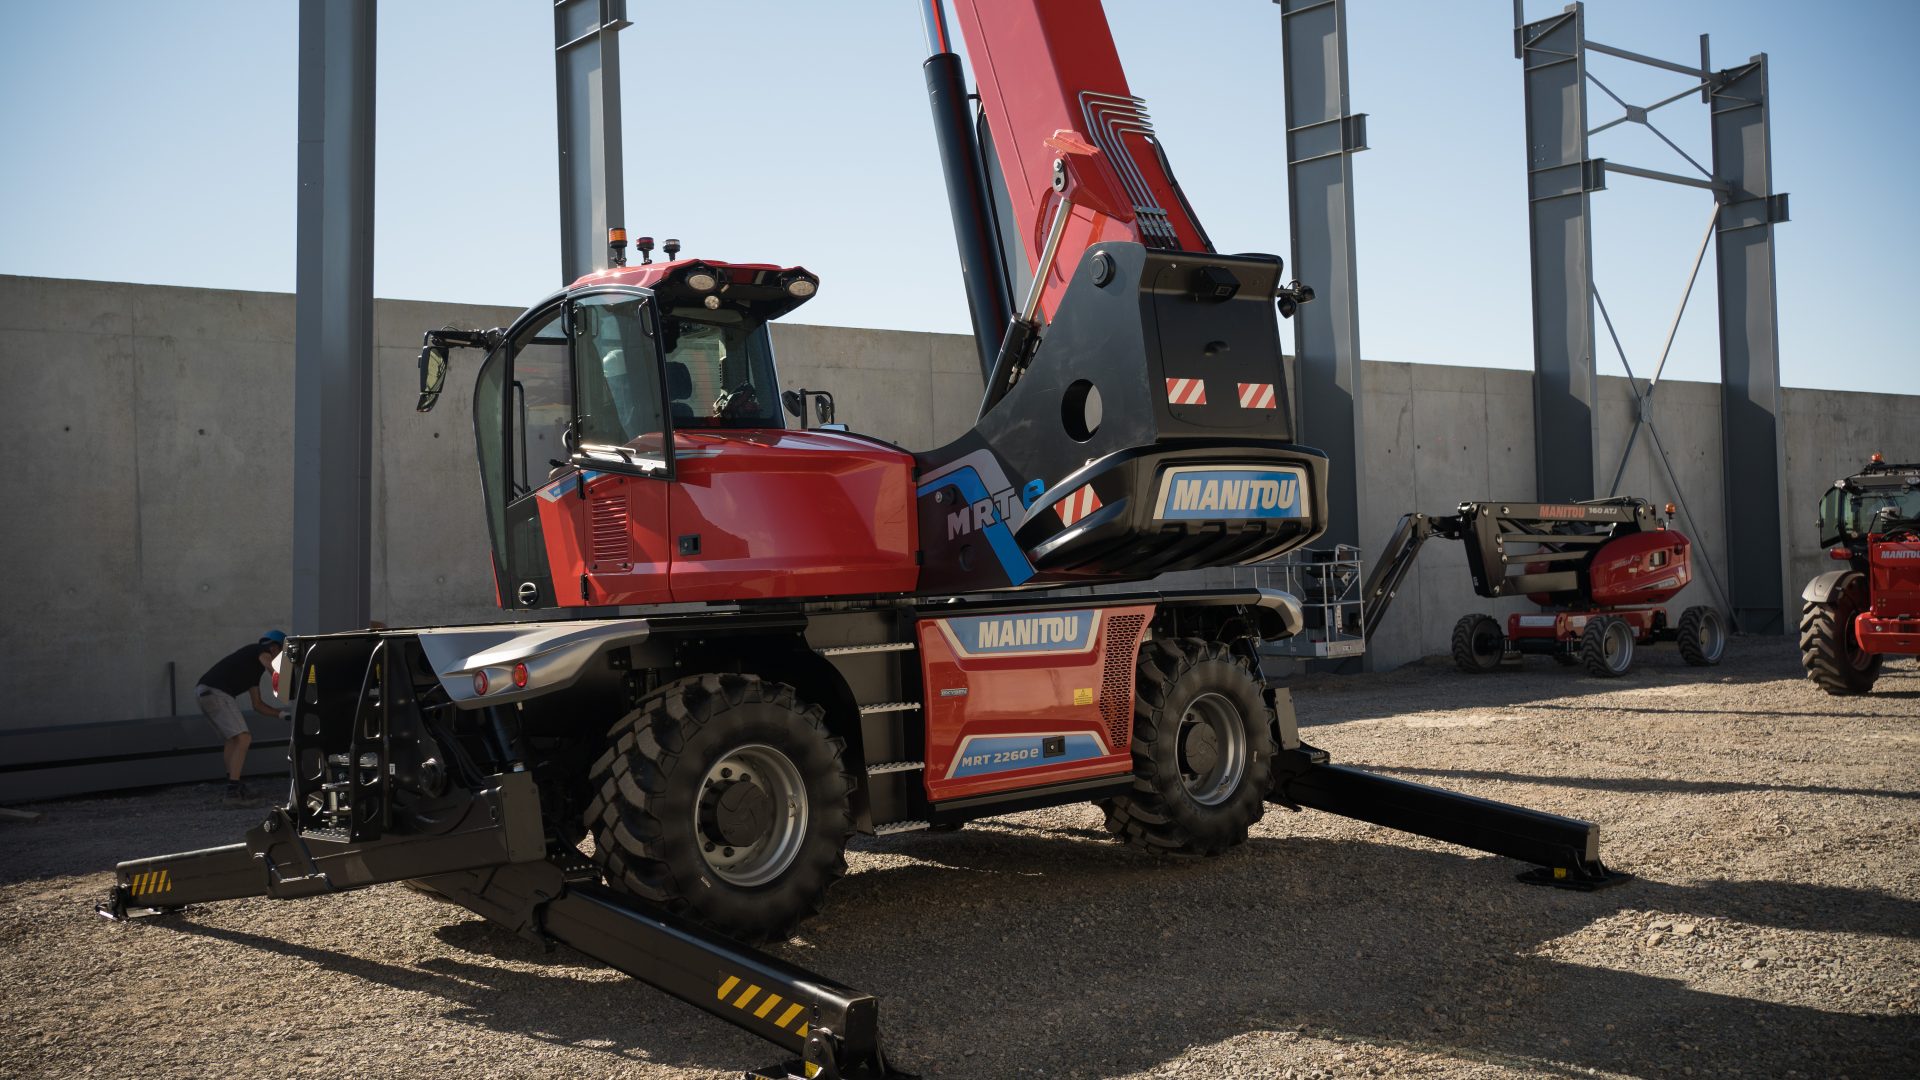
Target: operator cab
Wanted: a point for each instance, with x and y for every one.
(632, 449)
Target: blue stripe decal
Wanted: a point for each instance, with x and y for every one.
(982, 755)
(999, 536)
(565, 484)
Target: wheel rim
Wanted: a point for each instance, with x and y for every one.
(1213, 749)
(1486, 641)
(1712, 638)
(1618, 645)
(750, 816)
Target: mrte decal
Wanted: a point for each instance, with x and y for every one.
(974, 505)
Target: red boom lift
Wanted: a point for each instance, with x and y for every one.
(1599, 571)
(762, 639)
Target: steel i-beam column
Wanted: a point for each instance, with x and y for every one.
(1559, 180)
(1752, 453)
(586, 64)
(333, 338)
(1322, 138)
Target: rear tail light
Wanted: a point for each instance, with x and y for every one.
(479, 683)
(520, 675)
(1839, 553)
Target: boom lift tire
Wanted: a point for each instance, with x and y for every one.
(1828, 649)
(1702, 636)
(1203, 748)
(1478, 644)
(1606, 647)
(728, 788)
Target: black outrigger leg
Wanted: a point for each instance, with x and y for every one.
(493, 860)
(1565, 851)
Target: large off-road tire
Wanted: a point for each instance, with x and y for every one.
(1203, 749)
(1829, 651)
(1606, 646)
(725, 799)
(1478, 644)
(1702, 636)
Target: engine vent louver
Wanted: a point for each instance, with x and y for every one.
(607, 529)
(1116, 679)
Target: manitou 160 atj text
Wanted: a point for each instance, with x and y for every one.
(765, 637)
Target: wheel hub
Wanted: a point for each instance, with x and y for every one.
(740, 813)
(1212, 745)
(750, 816)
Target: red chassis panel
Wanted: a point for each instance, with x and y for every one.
(791, 513)
(1569, 625)
(750, 514)
(1022, 699)
(1892, 624)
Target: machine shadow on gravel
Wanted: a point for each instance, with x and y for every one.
(1455, 973)
(1031, 920)
(623, 1019)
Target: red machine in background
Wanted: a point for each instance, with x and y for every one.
(1599, 570)
(1852, 618)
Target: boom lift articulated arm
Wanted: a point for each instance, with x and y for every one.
(1547, 543)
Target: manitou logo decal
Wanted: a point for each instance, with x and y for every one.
(1022, 635)
(1190, 493)
(1901, 553)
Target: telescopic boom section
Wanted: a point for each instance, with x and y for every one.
(1046, 67)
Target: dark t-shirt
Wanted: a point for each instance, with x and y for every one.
(238, 673)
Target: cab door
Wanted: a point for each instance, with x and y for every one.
(573, 471)
(622, 448)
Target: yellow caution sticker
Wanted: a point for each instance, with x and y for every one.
(763, 1004)
(1083, 695)
(151, 882)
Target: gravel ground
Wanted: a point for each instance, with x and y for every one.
(1771, 930)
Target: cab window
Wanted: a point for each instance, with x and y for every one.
(542, 409)
(719, 372)
(617, 381)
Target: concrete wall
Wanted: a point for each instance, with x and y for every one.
(149, 482)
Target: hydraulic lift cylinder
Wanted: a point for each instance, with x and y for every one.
(988, 299)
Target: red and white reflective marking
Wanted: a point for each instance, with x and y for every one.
(1257, 395)
(1077, 504)
(1186, 391)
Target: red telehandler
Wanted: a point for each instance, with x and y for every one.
(1852, 618)
(762, 639)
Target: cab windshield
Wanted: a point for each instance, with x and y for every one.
(719, 370)
(1852, 515)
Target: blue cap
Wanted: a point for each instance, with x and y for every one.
(276, 637)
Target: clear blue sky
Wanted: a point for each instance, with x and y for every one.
(155, 142)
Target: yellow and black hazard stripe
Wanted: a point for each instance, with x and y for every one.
(151, 883)
(789, 1016)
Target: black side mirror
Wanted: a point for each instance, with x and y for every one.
(433, 376)
(791, 399)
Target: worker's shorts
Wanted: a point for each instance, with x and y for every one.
(222, 710)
